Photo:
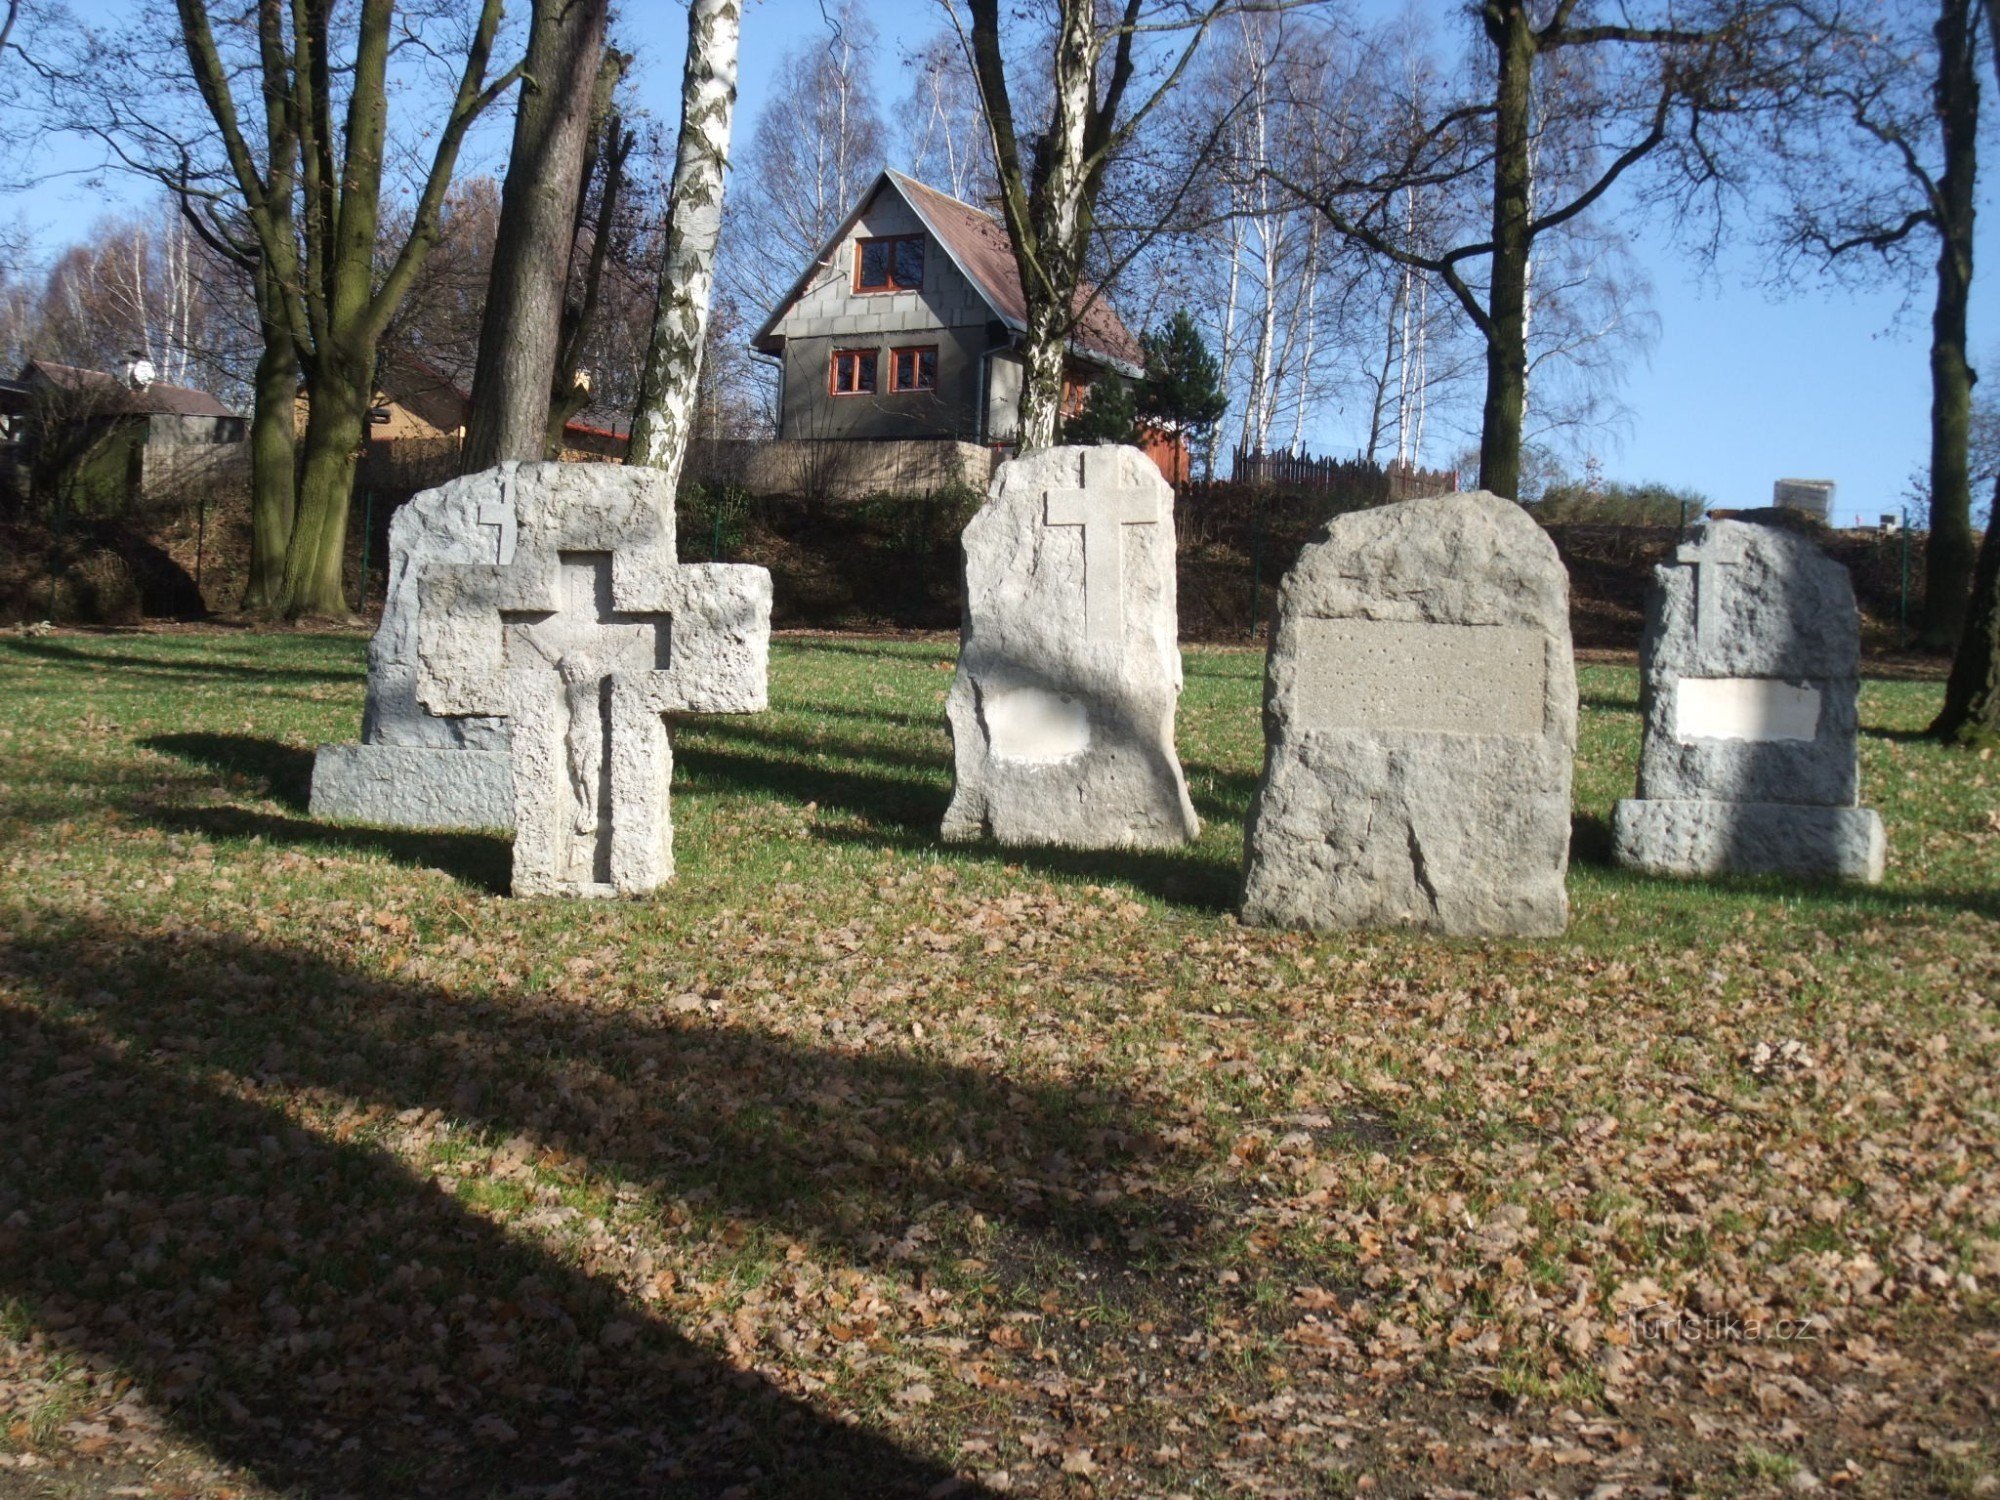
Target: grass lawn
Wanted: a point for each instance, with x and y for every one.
(858, 1165)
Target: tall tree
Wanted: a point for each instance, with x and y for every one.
(1971, 711)
(1182, 388)
(670, 385)
(157, 114)
(520, 336)
(1051, 179)
(1880, 154)
(334, 306)
(594, 238)
(945, 142)
(1546, 155)
(815, 145)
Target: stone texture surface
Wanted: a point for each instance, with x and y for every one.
(1743, 601)
(413, 786)
(1420, 724)
(407, 772)
(1749, 685)
(583, 641)
(1069, 668)
(1750, 838)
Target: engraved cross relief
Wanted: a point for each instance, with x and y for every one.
(498, 513)
(1705, 559)
(587, 643)
(1103, 509)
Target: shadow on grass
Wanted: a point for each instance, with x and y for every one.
(484, 861)
(285, 769)
(1609, 703)
(1182, 877)
(904, 813)
(339, 1319)
(194, 666)
(1900, 736)
(1592, 845)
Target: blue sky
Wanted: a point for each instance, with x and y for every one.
(1740, 389)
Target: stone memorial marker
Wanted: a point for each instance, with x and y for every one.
(562, 642)
(1420, 723)
(1750, 669)
(414, 768)
(1069, 667)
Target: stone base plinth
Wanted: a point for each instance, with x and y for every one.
(1749, 838)
(413, 786)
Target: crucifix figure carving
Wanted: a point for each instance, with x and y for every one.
(1705, 557)
(585, 640)
(1103, 509)
(587, 643)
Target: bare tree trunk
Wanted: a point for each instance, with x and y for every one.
(1948, 555)
(1507, 296)
(347, 307)
(1971, 711)
(522, 324)
(611, 143)
(273, 450)
(672, 376)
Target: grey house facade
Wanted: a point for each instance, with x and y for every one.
(905, 327)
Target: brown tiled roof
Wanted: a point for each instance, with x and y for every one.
(156, 399)
(979, 245)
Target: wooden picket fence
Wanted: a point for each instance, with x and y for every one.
(1357, 481)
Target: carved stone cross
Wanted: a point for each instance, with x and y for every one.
(498, 513)
(584, 641)
(1103, 511)
(1712, 553)
(591, 647)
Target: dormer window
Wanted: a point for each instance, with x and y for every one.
(894, 263)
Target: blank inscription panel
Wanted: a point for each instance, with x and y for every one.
(1390, 675)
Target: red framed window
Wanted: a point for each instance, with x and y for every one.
(914, 368)
(852, 372)
(893, 263)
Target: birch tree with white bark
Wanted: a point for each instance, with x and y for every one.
(1107, 75)
(670, 383)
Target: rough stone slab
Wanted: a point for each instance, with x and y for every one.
(1763, 608)
(583, 642)
(462, 521)
(413, 786)
(1069, 668)
(1420, 723)
(1749, 838)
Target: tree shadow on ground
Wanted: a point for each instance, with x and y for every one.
(484, 861)
(1610, 703)
(204, 666)
(904, 813)
(1592, 844)
(1900, 736)
(1183, 877)
(329, 1314)
(285, 769)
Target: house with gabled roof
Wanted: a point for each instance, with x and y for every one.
(906, 325)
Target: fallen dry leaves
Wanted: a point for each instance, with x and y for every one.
(325, 1170)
